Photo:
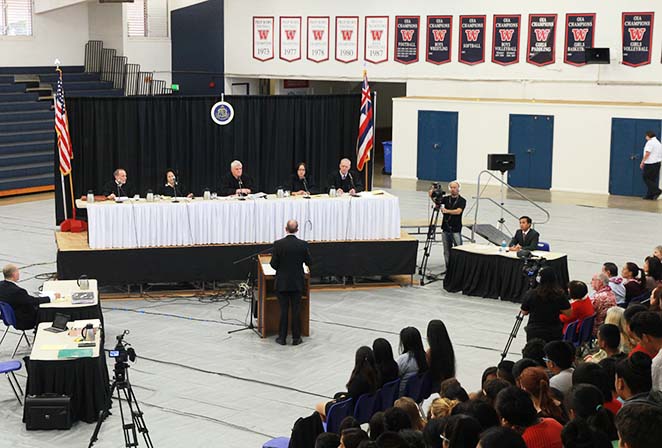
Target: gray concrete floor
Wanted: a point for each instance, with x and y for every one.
(199, 386)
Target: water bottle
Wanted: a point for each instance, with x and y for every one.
(503, 246)
(90, 196)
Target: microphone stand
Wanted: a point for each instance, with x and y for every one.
(351, 180)
(251, 285)
(175, 188)
(241, 187)
(305, 185)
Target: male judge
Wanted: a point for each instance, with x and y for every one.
(235, 182)
(118, 187)
(288, 257)
(345, 180)
(525, 238)
(24, 305)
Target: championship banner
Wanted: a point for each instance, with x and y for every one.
(542, 39)
(579, 35)
(439, 39)
(290, 38)
(505, 40)
(317, 43)
(347, 38)
(375, 48)
(472, 39)
(637, 38)
(407, 30)
(263, 38)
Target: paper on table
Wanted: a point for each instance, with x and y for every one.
(50, 294)
(75, 353)
(268, 270)
(51, 347)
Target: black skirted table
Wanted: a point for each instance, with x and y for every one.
(54, 368)
(481, 270)
(63, 290)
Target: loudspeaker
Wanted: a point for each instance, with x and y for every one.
(501, 162)
(596, 55)
(49, 411)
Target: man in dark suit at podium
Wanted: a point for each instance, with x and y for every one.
(525, 238)
(289, 255)
(24, 305)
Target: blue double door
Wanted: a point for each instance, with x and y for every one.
(628, 137)
(531, 139)
(437, 145)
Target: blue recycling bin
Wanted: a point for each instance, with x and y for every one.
(388, 156)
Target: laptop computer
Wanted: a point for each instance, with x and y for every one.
(59, 323)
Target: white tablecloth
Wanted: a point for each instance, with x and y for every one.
(230, 221)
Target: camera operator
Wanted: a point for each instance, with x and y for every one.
(452, 206)
(544, 304)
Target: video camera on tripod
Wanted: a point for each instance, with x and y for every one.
(436, 194)
(123, 351)
(531, 268)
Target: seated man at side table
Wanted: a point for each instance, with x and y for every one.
(24, 305)
(235, 181)
(118, 187)
(344, 180)
(525, 238)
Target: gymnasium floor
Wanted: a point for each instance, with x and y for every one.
(199, 386)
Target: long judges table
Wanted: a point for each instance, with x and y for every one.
(481, 270)
(141, 224)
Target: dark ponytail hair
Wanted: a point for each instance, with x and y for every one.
(587, 401)
(364, 366)
(636, 271)
(412, 343)
(442, 355)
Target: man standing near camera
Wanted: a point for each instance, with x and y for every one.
(452, 206)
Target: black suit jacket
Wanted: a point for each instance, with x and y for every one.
(230, 184)
(287, 259)
(336, 180)
(295, 184)
(528, 243)
(112, 187)
(167, 190)
(23, 304)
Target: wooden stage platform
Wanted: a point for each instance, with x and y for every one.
(218, 262)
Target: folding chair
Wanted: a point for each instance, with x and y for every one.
(365, 407)
(585, 331)
(337, 412)
(413, 386)
(9, 320)
(278, 442)
(387, 395)
(543, 246)
(8, 368)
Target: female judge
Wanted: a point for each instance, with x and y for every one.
(172, 187)
(300, 183)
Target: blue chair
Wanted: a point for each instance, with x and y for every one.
(387, 395)
(9, 319)
(413, 386)
(570, 333)
(337, 412)
(278, 442)
(543, 246)
(8, 368)
(585, 331)
(365, 407)
(427, 388)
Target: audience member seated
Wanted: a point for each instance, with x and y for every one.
(517, 412)
(653, 271)
(412, 358)
(352, 437)
(535, 382)
(559, 358)
(608, 366)
(441, 407)
(492, 389)
(376, 425)
(482, 411)
(639, 426)
(505, 371)
(657, 252)
(579, 434)
(433, 432)
(629, 314)
(396, 419)
(635, 281)
(489, 373)
(390, 439)
(603, 299)
(656, 300)
(348, 422)
(525, 363)
(462, 431)
(440, 356)
(411, 408)
(363, 380)
(452, 389)
(586, 403)
(616, 316)
(501, 437)
(412, 439)
(543, 305)
(598, 376)
(24, 305)
(580, 304)
(647, 327)
(386, 365)
(609, 341)
(535, 349)
(633, 379)
(616, 282)
(327, 440)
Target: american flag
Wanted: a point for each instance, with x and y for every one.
(364, 142)
(62, 129)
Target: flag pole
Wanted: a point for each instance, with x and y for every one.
(64, 197)
(374, 138)
(71, 190)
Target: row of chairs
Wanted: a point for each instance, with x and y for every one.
(581, 336)
(9, 367)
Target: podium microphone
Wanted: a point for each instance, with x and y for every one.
(351, 180)
(241, 187)
(305, 185)
(175, 188)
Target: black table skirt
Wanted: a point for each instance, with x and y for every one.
(493, 276)
(85, 380)
(78, 313)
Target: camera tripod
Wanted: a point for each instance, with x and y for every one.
(513, 334)
(432, 233)
(122, 386)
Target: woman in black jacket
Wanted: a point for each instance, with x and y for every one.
(172, 187)
(300, 183)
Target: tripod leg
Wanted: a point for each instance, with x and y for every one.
(137, 416)
(102, 416)
(432, 230)
(130, 435)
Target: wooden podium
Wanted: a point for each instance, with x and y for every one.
(268, 309)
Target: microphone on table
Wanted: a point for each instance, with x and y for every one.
(305, 186)
(119, 188)
(241, 187)
(351, 180)
(174, 187)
